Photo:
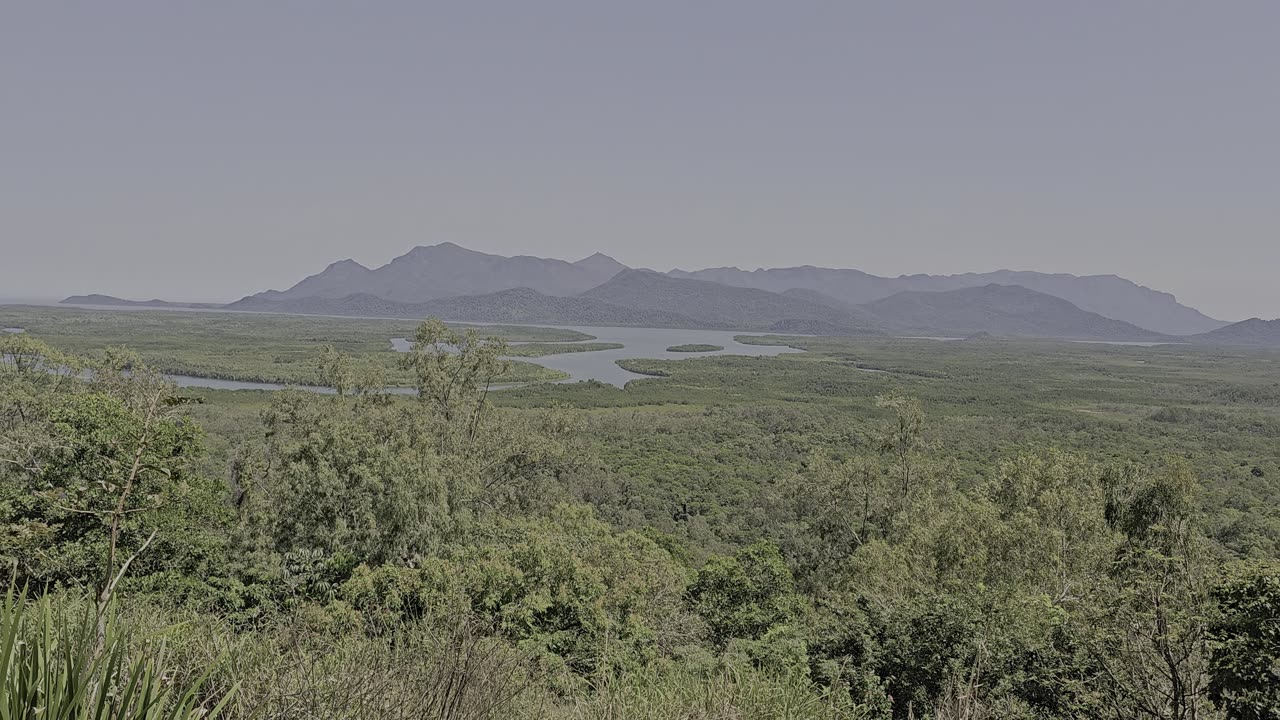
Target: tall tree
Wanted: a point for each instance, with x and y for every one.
(904, 436)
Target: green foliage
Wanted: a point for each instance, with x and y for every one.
(745, 537)
(388, 481)
(571, 586)
(1155, 654)
(1245, 663)
(388, 595)
(691, 691)
(92, 469)
(453, 370)
(903, 438)
(53, 665)
(745, 596)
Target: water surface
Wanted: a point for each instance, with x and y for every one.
(637, 343)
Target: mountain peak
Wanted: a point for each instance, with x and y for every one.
(602, 262)
(444, 247)
(347, 264)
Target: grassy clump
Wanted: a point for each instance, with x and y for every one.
(54, 664)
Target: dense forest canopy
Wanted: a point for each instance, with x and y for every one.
(841, 545)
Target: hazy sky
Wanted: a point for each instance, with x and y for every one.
(207, 150)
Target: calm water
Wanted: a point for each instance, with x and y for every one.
(637, 343)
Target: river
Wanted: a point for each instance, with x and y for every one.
(598, 365)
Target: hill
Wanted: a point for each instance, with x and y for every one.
(717, 305)
(108, 300)
(1005, 310)
(814, 296)
(448, 270)
(825, 299)
(1107, 295)
(1254, 331)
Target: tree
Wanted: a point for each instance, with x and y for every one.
(336, 371)
(835, 507)
(95, 471)
(454, 371)
(1152, 650)
(904, 436)
(393, 482)
(1245, 663)
(745, 596)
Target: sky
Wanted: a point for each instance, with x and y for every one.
(204, 151)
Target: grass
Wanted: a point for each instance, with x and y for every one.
(53, 665)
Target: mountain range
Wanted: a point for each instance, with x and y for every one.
(448, 270)
(455, 283)
(1106, 295)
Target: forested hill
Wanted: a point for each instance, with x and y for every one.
(1254, 331)
(1002, 310)
(1107, 295)
(726, 306)
(637, 298)
(447, 270)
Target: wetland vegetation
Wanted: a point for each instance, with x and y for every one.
(982, 529)
(695, 348)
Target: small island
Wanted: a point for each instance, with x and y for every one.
(695, 348)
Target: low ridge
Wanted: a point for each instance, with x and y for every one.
(1004, 310)
(1254, 331)
(722, 305)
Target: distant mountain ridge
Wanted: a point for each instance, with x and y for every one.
(108, 300)
(453, 282)
(448, 270)
(1000, 310)
(1106, 295)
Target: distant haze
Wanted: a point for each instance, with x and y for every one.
(205, 151)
